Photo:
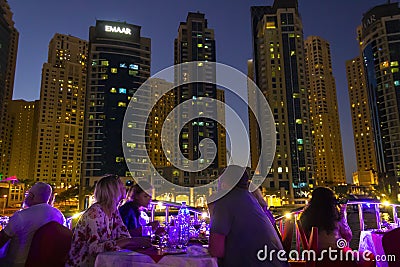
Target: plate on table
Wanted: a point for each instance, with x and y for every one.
(173, 251)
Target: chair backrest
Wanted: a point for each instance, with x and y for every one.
(302, 233)
(391, 245)
(50, 246)
(287, 235)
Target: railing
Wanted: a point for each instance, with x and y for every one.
(360, 203)
(169, 205)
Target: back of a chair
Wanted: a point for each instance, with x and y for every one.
(303, 236)
(391, 245)
(287, 235)
(50, 246)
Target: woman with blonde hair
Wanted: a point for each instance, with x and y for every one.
(100, 227)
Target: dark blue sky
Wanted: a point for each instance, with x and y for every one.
(38, 20)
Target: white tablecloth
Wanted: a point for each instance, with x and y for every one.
(126, 258)
(373, 242)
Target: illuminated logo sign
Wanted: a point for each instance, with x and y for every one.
(118, 29)
(369, 21)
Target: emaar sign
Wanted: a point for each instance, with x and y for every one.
(117, 29)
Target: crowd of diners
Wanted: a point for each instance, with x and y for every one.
(240, 223)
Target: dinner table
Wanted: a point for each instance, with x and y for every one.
(155, 257)
(371, 240)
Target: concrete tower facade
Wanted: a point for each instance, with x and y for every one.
(280, 73)
(8, 57)
(328, 152)
(61, 112)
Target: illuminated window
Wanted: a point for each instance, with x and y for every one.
(131, 145)
(121, 104)
(396, 83)
(114, 70)
(133, 72)
(199, 45)
(104, 63)
(104, 76)
(393, 70)
(122, 90)
(300, 141)
(298, 121)
(292, 53)
(119, 159)
(113, 90)
(133, 67)
(394, 63)
(270, 25)
(185, 135)
(384, 65)
(123, 65)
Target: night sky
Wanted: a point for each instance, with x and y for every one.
(335, 21)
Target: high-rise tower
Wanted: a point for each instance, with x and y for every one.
(119, 62)
(328, 152)
(8, 56)
(279, 72)
(195, 42)
(380, 46)
(24, 118)
(61, 112)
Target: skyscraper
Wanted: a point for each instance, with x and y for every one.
(157, 119)
(361, 120)
(61, 112)
(328, 152)
(8, 56)
(119, 62)
(195, 42)
(380, 46)
(279, 72)
(24, 119)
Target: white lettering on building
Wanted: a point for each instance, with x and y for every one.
(118, 29)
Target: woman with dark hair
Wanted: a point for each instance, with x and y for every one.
(137, 198)
(325, 213)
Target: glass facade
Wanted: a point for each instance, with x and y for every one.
(120, 63)
(381, 51)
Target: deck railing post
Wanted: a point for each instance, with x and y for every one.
(297, 234)
(378, 216)
(395, 219)
(153, 210)
(166, 215)
(361, 216)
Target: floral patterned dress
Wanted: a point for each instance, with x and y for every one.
(94, 233)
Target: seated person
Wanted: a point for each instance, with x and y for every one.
(24, 223)
(100, 227)
(323, 212)
(239, 227)
(137, 198)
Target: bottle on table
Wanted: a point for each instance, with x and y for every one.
(183, 223)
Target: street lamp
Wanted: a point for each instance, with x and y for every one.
(4, 202)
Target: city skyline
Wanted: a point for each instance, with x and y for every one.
(232, 30)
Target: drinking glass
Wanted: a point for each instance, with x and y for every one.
(173, 236)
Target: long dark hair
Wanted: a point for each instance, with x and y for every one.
(322, 211)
